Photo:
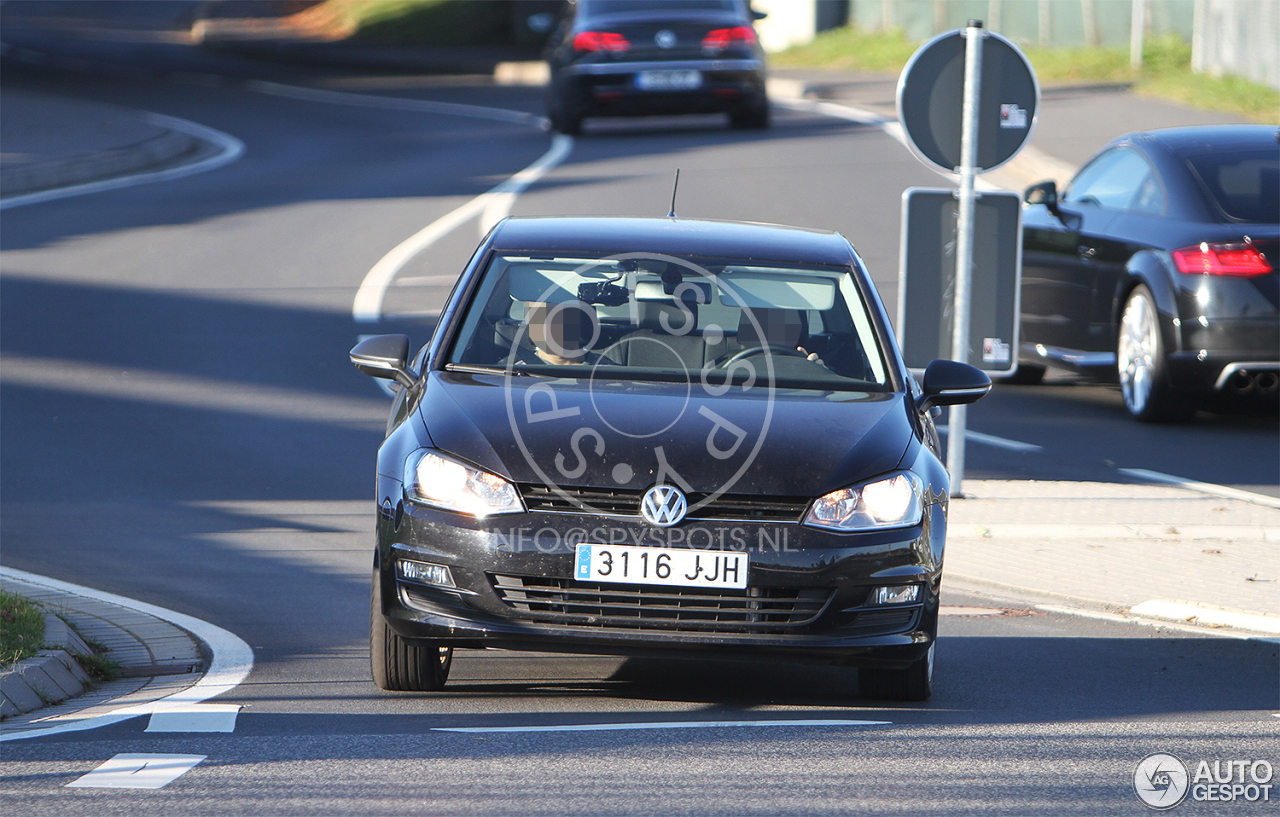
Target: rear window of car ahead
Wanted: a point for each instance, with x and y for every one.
(1245, 185)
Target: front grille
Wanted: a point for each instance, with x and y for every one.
(726, 507)
(634, 606)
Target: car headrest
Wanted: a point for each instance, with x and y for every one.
(779, 327)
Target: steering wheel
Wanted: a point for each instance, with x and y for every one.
(772, 348)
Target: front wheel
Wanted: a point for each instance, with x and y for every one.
(1141, 363)
(915, 683)
(399, 665)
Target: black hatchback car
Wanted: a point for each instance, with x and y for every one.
(1159, 263)
(639, 57)
(663, 437)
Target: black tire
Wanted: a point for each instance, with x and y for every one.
(565, 117)
(752, 116)
(566, 124)
(399, 665)
(1028, 374)
(1142, 365)
(915, 683)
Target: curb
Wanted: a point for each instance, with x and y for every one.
(16, 179)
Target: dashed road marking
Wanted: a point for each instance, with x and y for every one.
(137, 771)
(988, 439)
(195, 718)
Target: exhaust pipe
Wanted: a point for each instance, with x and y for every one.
(1266, 382)
(1240, 382)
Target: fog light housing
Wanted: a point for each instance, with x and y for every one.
(897, 594)
(424, 573)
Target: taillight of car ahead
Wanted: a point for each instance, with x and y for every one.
(1241, 259)
(600, 41)
(722, 38)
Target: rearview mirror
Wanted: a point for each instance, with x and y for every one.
(951, 383)
(1045, 193)
(384, 356)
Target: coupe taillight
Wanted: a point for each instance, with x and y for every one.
(600, 41)
(721, 38)
(1242, 259)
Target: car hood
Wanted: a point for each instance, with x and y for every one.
(627, 435)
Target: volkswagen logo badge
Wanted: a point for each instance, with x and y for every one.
(663, 505)
(665, 39)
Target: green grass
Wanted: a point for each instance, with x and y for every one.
(21, 629)
(1165, 73)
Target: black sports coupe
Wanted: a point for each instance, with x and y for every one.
(1158, 263)
(664, 437)
(638, 57)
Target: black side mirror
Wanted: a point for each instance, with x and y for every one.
(384, 356)
(950, 383)
(758, 15)
(1045, 193)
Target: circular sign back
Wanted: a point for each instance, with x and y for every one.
(931, 101)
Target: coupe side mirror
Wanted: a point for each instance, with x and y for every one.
(950, 383)
(1045, 193)
(384, 356)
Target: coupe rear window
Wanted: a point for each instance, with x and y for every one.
(597, 7)
(1244, 184)
(722, 321)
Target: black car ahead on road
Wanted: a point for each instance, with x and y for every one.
(1159, 262)
(641, 57)
(663, 437)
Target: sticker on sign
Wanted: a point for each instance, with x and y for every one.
(995, 350)
(1011, 116)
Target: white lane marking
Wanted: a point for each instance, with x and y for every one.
(231, 663)
(195, 718)
(137, 771)
(395, 103)
(890, 127)
(1159, 624)
(229, 149)
(497, 202)
(1176, 611)
(621, 727)
(988, 439)
(1203, 487)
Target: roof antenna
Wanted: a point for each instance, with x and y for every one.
(672, 214)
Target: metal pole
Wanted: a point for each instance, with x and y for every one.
(1137, 29)
(968, 171)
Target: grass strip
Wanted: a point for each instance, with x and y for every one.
(21, 628)
(1166, 70)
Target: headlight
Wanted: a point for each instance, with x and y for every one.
(893, 502)
(435, 480)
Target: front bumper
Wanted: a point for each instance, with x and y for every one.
(807, 593)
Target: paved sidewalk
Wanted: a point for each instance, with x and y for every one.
(157, 659)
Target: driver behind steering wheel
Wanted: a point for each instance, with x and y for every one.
(778, 328)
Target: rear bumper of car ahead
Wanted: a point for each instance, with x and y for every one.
(613, 89)
(808, 593)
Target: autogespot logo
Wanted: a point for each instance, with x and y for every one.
(621, 429)
(1161, 781)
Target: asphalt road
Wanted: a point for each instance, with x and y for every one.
(181, 426)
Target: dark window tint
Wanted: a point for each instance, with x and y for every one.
(594, 7)
(1244, 184)
(1120, 179)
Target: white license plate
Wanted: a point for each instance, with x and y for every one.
(666, 566)
(668, 80)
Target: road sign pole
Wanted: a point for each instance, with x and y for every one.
(968, 171)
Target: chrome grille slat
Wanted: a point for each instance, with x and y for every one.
(735, 507)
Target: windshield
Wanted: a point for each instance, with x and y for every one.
(598, 7)
(646, 317)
